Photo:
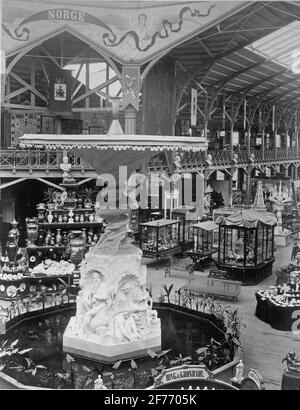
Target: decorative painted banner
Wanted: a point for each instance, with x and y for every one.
(129, 33)
(22, 33)
(194, 106)
(131, 86)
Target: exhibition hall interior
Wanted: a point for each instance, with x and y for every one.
(150, 195)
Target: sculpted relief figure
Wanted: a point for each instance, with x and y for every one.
(92, 306)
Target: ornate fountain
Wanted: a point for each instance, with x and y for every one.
(114, 318)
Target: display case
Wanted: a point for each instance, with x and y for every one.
(205, 242)
(160, 238)
(246, 245)
(184, 215)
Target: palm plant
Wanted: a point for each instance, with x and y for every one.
(168, 291)
(50, 195)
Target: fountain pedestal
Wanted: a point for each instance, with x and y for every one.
(114, 319)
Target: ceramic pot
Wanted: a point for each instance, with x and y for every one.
(50, 217)
(11, 248)
(48, 238)
(77, 246)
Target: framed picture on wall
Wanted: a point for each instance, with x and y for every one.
(47, 125)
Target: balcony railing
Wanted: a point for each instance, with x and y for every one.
(46, 161)
(27, 160)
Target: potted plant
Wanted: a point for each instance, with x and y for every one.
(88, 194)
(50, 197)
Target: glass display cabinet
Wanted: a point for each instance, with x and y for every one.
(160, 238)
(205, 242)
(183, 214)
(246, 245)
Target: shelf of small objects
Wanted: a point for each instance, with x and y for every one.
(153, 247)
(18, 282)
(287, 295)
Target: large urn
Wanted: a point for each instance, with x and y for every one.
(11, 248)
(76, 245)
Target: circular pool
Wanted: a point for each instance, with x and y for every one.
(183, 332)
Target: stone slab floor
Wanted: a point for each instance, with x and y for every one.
(264, 347)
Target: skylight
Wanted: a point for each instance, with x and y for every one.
(279, 45)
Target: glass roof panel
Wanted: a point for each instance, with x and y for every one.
(279, 45)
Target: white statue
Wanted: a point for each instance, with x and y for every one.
(66, 167)
(99, 385)
(239, 372)
(114, 310)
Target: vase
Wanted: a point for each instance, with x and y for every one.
(50, 217)
(77, 218)
(91, 218)
(11, 248)
(32, 230)
(65, 218)
(77, 246)
(71, 216)
(60, 218)
(58, 238)
(55, 217)
(82, 218)
(87, 216)
(48, 238)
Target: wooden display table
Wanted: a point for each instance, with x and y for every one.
(277, 316)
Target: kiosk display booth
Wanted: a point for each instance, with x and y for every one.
(246, 245)
(205, 236)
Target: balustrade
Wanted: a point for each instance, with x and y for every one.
(42, 160)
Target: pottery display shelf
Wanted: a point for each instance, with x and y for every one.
(53, 229)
